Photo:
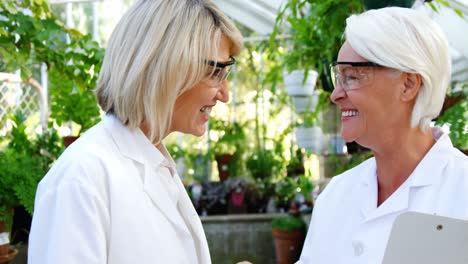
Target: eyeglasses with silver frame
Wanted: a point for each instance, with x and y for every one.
(352, 75)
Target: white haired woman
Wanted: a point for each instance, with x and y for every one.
(390, 81)
(114, 196)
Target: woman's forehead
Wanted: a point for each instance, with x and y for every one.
(347, 53)
(222, 54)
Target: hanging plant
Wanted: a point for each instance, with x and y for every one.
(30, 35)
(376, 4)
(313, 33)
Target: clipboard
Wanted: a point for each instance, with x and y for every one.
(429, 239)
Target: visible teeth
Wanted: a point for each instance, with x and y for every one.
(349, 113)
(206, 110)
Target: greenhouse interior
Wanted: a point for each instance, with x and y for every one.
(264, 156)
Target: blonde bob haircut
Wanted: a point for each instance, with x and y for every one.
(410, 41)
(157, 52)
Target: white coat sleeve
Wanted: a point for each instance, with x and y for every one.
(69, 223)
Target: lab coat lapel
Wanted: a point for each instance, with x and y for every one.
(398, 201)
(160, 198)
(133, 144)
(368, 196)
(425, 175)
(193, 221)
(367, 191)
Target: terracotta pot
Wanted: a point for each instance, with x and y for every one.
(5, 229)
(288, 245)
(68, 140)
(4, 248)
(223, 165)
(9, 256)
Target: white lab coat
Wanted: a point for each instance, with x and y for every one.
(102, 202)
(346, 225)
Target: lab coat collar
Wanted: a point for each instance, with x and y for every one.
(428, 170)
(426, 173)
(133, 144)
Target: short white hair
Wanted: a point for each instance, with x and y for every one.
(410, 41)
(157, 52)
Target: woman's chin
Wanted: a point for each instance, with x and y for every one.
(198, 132)
(348, 137)
(194, 131)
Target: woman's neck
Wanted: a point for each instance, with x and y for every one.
(144, 128)
(398, 158)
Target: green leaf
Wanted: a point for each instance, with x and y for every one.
(75, 33)
(444, 3)
(10, 7)
(459, 13)
(288, 223)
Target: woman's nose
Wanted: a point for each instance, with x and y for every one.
(223, 92)
(337, 93)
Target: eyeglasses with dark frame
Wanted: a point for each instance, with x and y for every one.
(353, 75)
(221, 70)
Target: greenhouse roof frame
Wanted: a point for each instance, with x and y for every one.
(260, 16)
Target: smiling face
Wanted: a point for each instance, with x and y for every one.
(193, 107)
(373, 111)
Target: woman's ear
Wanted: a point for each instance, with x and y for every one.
(412, 84)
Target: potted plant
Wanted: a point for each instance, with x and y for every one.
(304, 104)
(285, 192)
(213, 199)
(6, 252)
(289, 235)
(19, 176)
(300, 83)
(262, 164)
(309, 134)
(306, 188)
(199, 163)
(72, 102)
(23, 162)
(295, 166)
(229, 149)
(238, 191)
(308, 130)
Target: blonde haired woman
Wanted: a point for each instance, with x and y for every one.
(114, 195)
